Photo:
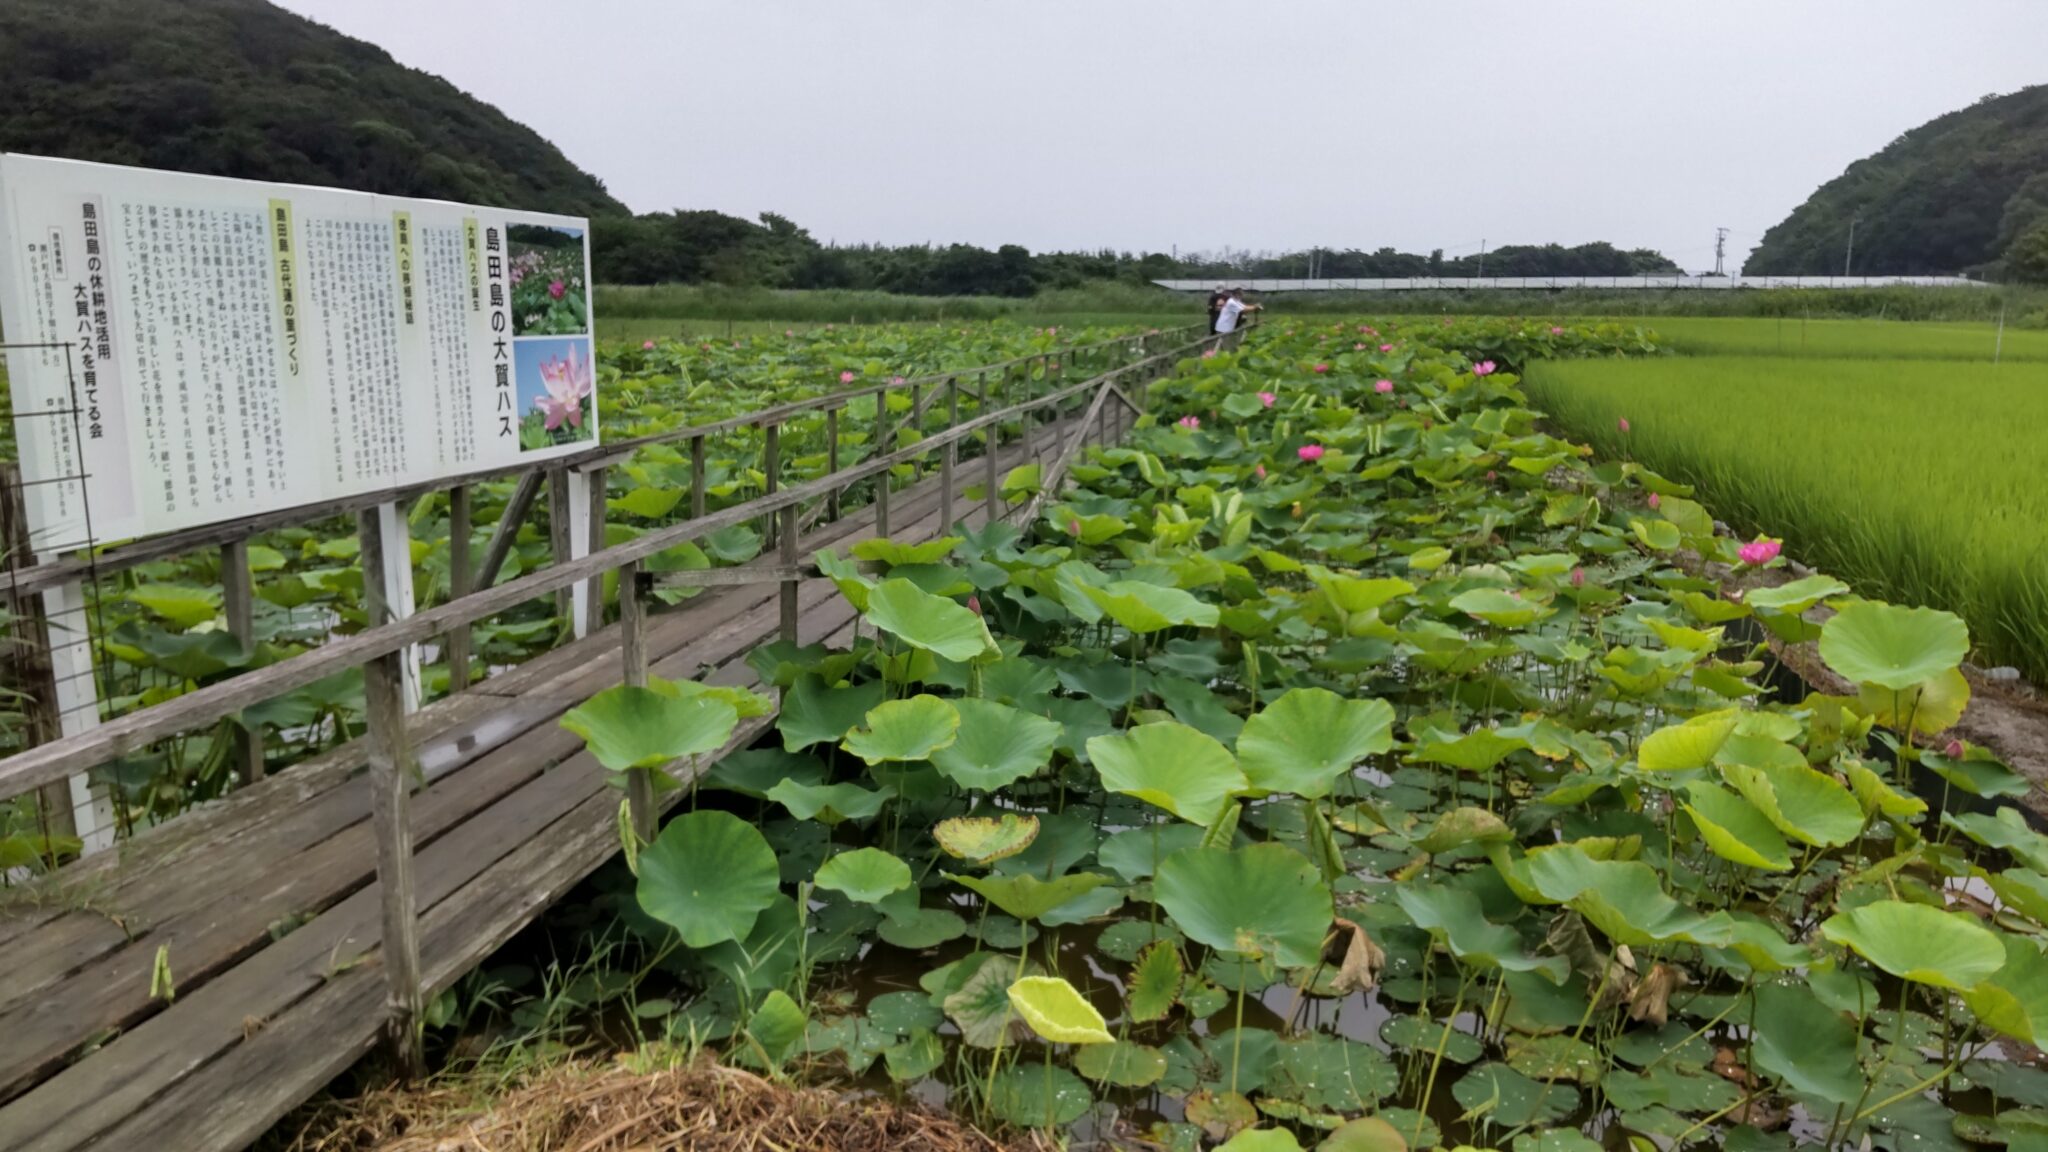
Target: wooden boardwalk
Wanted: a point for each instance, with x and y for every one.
(267, 908)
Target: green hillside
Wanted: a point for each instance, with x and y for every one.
(244, 88)
(1951, 195)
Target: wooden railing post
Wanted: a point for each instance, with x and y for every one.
(593, 591)
(789, 586)
(771, 468)
(559, 535)
(456, 644)
(696, 477)
(882, 478)
(949, 456)
(238, 599)
(633, 647)
(392, 573)
(29, 672)
(392, 772)
(832, 460)
(991, 439)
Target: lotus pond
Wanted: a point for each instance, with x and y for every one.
(1343, 762)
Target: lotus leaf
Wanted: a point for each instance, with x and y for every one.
(909, 729)
(1809, 1047)
(627, 726)
(932, 623)
(1058, 1012)
(1919, 943)
(1144, 608)
(1453, 915)
(864, 875)
(831, 803)
(1123, 1064)
(997, 745)
(1893, 647)
(813, 713)
(1304, 740)
(1027, 897)
(1263, 899)
(708, 875)
(1172, 766)
(985, 840)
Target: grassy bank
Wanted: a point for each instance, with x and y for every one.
(1919, 481)
(2024, 307)
(1856, 339)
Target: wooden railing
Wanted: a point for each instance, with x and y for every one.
(575, 483)
(1112, 400)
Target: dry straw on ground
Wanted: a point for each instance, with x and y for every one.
(580, 1108)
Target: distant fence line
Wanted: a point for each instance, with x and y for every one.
(1559, 283)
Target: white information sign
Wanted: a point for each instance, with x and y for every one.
(218, 348)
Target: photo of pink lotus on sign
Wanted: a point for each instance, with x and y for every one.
(557, 379)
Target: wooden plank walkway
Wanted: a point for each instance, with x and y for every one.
(267, 908)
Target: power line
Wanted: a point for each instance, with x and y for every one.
(1720, 249)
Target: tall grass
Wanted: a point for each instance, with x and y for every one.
(2023, 307)
(838, 306)
(1919, 481)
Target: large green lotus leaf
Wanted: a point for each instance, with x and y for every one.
(1453, 915)
(1795, 596)
(1507, 1099)
(1761, 945)
(1461, 826)
(626, 726)
(853, 584)
(895, 552)
(1144, 608)
(985, 840)
(909, 729)
(1475, 751)
(1058, 1012)
(1623, 899)
(1893, 647)
(2005, 830)
(1916, 942)
(1876, 796)
(813, 713)
(1931, 706)
(1693, 744)
(1124, 1064)
(1555, 1057)
(1304, 740)
(1261, 1140)
(1808, 1046)
(1977, 774)
(1656, 535)
(1735, 830)
(182, 606)
(997, 745)
(753, 771)
(1262, 899)
(1135, 853)
(1500, 608)
(1030, 1096)
(2014, 999)
(924, 928)
(1091, 905)
(1172, 766)
(831, 803)
(709, 875)
(865, 875)
(1365, 1134)
(933, 623)
(747, 704)
(1806, 805)
(777, 1027)
(1027, 897)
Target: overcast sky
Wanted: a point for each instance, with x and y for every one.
(1146, 124)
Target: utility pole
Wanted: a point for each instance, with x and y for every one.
(1720, 248)
(1482, 258)
(1849, 257)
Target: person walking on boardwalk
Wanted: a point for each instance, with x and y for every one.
(1226, 316)
(1216, 300)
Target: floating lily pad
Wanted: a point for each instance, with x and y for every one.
(1123, 1064)
(985, 840)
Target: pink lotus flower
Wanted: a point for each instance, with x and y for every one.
(1383, 387)
(1208, 354)
(1483, 368)
(1073, 527)
(974, 605)
(1955, 750)
(1491, 475)
(1578, 577)
(1190, 422)
(1656, 501)
(1358, 347)
(569, 380)
(1622, 424)
(1760, 551)
(1322, 368)
(1310, 452)
(895, 379)
(1260, 471)
(846, 377)
(1556, 331)
(647, 346)
(1267, 398)
(556, 288)
(1386, 347)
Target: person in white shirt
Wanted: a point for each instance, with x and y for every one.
(1226, 317)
